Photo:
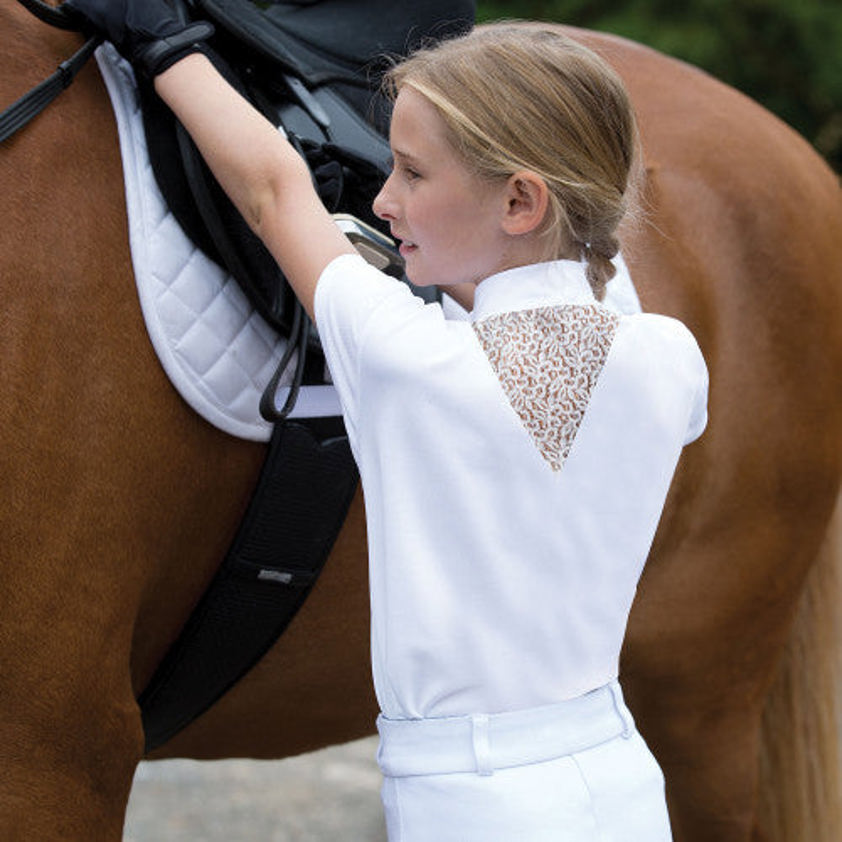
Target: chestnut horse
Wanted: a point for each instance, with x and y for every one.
(119, 501)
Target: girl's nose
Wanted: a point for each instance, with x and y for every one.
(383, 205)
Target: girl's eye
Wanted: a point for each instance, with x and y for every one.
(403, 169)
(410, 174)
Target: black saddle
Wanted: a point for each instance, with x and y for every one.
(313, 67)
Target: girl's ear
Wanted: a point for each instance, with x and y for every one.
(527, 197)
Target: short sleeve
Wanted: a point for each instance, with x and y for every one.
(698, 373)
(675, 368)
(351, 296)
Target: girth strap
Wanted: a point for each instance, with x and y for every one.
(302, 498)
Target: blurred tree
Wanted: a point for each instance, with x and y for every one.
(786, 54)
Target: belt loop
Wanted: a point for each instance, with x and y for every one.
(482, 744)
(622, 710)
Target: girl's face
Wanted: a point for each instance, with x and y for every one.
(447, 218)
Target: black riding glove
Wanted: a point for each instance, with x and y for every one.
(151, 34)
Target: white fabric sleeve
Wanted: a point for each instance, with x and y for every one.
(351, 296)
(675, 356)
(698, 371)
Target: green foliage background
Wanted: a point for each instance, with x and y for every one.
(786, 54)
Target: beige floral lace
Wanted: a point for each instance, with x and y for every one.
(548, 361)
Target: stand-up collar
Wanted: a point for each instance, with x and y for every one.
(528, 287)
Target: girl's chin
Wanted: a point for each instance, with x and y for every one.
(420, 278)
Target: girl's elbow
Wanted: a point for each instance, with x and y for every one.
(278, 195)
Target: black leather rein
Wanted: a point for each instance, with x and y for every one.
(32, 103)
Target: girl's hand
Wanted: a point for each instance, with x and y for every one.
(149, 33)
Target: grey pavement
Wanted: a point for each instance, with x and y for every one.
(333, 794)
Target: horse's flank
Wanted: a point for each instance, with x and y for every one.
(748, 254)
(120, 501)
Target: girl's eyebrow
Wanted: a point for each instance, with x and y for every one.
(404, 157)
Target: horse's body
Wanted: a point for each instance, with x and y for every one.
(110, 482)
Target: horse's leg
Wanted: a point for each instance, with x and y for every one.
(801, 788)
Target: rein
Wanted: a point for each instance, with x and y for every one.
(32, 103)
(58, 17)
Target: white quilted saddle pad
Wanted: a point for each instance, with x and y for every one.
(216, 349)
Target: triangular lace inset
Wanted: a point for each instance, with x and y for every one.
(548, 361)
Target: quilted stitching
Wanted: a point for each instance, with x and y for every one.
(217, 350)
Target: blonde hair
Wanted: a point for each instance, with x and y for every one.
(518, 96)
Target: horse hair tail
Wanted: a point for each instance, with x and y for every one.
(800, 794)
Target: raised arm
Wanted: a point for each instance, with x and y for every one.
(264, 176)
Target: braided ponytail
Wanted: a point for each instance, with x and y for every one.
(600, 270)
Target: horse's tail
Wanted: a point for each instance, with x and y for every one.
(800, 794)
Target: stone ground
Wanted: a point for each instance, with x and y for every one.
(333, 794)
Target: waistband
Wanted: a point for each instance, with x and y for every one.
(484, 742)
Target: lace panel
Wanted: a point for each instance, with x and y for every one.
(548, 361)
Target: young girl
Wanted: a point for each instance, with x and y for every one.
(514, 465)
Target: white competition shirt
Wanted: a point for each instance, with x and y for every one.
(514, 467)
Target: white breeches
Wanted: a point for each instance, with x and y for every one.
(577, 771)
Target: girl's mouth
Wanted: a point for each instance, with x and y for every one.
(407, 247)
